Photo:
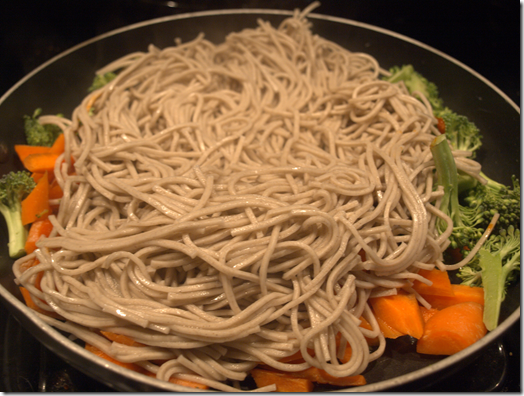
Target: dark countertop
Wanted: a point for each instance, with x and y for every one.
(484, 35)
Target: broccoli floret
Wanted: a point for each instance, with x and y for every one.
(499, 261)
(461, 133)
(465, 232)
(493, 197)
(471, 274)
(415, 82)
(14, 187)
(38, 134)
(100, 80)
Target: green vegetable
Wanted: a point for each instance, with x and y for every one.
(14, 187)
(461, 133)
(494, 197)
(415, 82)
(465, 232)
(499, 262)
(38, 134)
(100, 80)
(483, 202)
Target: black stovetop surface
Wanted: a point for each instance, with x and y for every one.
(484, 35)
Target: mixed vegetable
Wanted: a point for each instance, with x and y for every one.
(460, 314)
(473, 206)
(14, 188)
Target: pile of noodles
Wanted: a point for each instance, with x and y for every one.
(236, 203)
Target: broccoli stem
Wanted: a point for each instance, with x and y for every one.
(493, 283)
(16, 230)
(447, 177)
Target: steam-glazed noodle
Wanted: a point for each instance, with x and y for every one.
(222, 200)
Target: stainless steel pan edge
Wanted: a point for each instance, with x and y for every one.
(125, 380)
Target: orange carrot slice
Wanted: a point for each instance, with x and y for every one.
(98, 352)
(37, 176)
(441, 284)
(24, 150)
(314, 375)
(28, 264)
(366, 325)
(40, 162)
(31, 304)
(283, 382)
(38, 228)
(352, 380)
(58, 146)
(461, 293)
(388, 331)
(401, 312)
(320, 376)
(36, 205)
(427, 313)
(347, 353)
(441, 125)
(453, 329)
(121, 339)
(55, 191)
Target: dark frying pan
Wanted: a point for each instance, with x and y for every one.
(61, 83)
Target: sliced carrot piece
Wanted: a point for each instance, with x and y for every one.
(58, 146)
(36, 205)
(40, 162)
(38, 228)
(320, 376)
(92, 100)
(352, 380)
(28, 264)
(188, 383)
(283, 382)
(461, 293)
(366, 325)
(453, 329)
(441, 125)
(121, 339)
(98, 352)
(427, 313)
(38, 280)
(401, 312)
(347, 353)
(31, 304)
(24, 150)
(441, 284)
(297, 357)
(37, 176)
(388, 331)
(55, 191)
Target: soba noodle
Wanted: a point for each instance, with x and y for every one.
(223, 199)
